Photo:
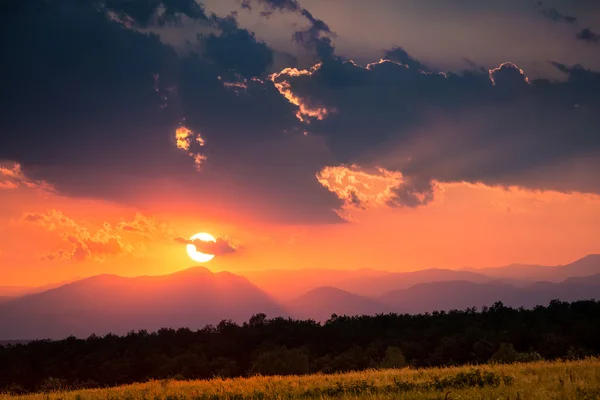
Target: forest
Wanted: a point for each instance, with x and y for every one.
(280, 346)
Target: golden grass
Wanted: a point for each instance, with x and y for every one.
(577, 380)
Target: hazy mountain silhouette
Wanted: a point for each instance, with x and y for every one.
(289, 284)
(15, 291)
(319, 304)
(5, 299)
(379, 285)
(586, 266)
(525, 272)
(109, 303)
(429, 297)
(18, 291)
(584, 280)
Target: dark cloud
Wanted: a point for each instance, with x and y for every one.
(90, 104)
(220, 247)
(588, 36)
(554, 14)
(153, 12)
(97, 116)
(495, 127)
(316, 38)
(237, 50)
(398, 54)
(413, 192)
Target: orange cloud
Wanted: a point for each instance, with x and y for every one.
(359, 188)
(51, 220)
(305, 111)
(184, 138)
(13, 177)
(86, 245)
(8, 185)
(141, 224)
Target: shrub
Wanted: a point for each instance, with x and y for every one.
(281, 361)
(530, 356)
(506, 354)
(393, 358)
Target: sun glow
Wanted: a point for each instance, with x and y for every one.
(195, 254)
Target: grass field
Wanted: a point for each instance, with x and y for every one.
(541, 380)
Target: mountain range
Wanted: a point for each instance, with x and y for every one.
(113, 304)
(195, 297)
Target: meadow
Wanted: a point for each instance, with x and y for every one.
(543, 380)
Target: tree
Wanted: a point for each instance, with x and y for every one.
(506, 354)
(393, 358)
(281, 361)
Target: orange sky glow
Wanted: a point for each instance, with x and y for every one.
(299, 139)
(49, 237)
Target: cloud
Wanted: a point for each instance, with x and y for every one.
(553, 14)
(13, 177)
(86, 245)
(128, 129)
(51, 219)
(400, 55)
(141, 225)
(236, 50)
(496, 126)
(101, 128)
(359, 188)
(362, 189)
(222, 246)
(306, 111)
(150, 12)
(185, 138)
(588, 36)
(316, 38)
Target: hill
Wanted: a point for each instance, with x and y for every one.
(586, 266)
(18, 291)
(427, 297)
(319, 304)
(110, 303)
(286, 285)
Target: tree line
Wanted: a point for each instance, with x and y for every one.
(282, 346)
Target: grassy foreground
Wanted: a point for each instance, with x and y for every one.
(540, 380)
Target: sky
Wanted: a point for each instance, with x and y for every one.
(342, 134)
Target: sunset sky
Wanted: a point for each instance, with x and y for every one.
(344, 134)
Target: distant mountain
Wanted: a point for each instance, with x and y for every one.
(378, 285)
(459, 295)
(109, 303)
(526, 272)
(15, 291)
(289, 284)
(588, 265)
(584, 280)
(319, 304)
(5, 299)
(18, 291)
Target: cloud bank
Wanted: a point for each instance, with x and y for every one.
(113, 109)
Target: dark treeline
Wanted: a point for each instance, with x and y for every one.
(285, 346)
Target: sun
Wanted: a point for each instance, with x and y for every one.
(196, 255)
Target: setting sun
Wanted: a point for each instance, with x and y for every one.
(194, 253)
